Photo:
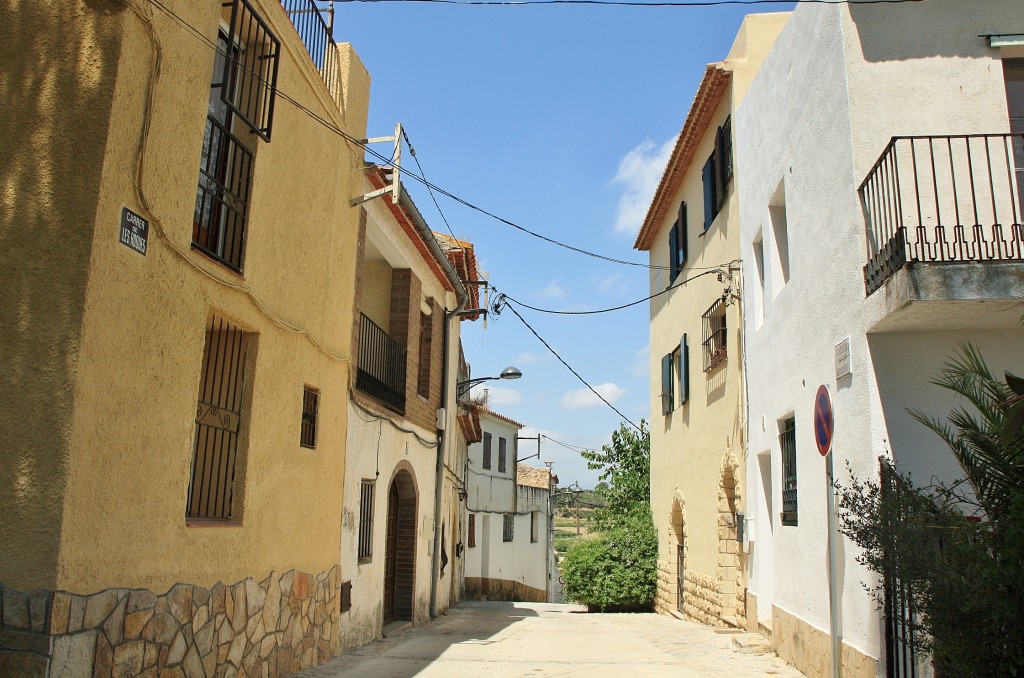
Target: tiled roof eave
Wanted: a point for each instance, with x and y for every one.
(702, 112)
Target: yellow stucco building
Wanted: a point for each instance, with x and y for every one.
(178, 256)
(698, 457)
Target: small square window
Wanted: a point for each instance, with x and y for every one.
(310, 405)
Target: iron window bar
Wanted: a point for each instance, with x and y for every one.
(310, 406)
(250, 74)
(787, 443)
(222, 198)
(366, 494)
(945, 199)
(715, 341)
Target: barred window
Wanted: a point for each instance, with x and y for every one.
(508, 527)
(366, 489)
(715, 336)
(787, 443)
(242, 90)
(219, 415)
(310, 405)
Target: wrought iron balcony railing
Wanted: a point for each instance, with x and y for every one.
(943, 199)
(316, 34)
(382, 364)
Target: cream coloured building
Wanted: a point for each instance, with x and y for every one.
(178, 256)
(691, 233)
(403, 519)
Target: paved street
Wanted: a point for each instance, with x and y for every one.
(541, 639)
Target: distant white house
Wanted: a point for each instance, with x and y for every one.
(878, 231)
(508, 536)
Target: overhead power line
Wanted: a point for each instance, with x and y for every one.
(568, 366)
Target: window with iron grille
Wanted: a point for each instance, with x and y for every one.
(219, 415)
(787, 443)
(241, 101)
(502, 455)
(423, 382)
(366, 490)
(471, 539)
(508, 527)
(487, 451)
(534, 526)
(310, 405)
(715, 335)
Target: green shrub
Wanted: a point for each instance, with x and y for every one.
(614, 570)
(563, 544)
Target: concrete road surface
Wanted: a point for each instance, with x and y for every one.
(498, 640)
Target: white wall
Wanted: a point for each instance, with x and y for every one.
(838, 84)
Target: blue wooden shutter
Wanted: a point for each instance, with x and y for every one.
(684, 371)
(710, 199)
(683, 242)
(674, 265)
(666, 385)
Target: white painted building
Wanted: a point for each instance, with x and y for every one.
(402, 528)
(862, 300)
(508, 534)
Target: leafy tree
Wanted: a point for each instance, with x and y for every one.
(617, 568)
(625, 467)
(957, 549)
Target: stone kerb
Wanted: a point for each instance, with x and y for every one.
(277, 626)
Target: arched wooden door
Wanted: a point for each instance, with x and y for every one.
(400, 549)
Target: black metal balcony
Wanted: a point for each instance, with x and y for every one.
(943, 199)
(382, 363)
(316, 35)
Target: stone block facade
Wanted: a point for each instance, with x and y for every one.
(280, 625)
(810, 649)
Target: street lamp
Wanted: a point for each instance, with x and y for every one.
(463, 386)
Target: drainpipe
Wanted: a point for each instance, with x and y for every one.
(463, 294)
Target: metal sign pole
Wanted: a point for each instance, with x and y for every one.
(833, 588)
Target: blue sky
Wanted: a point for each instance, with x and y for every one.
(559, 119)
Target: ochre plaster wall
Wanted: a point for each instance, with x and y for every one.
(109, 343)
(60, 61)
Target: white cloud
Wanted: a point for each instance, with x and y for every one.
(526, 359)
(639, 172)
(609, 283)
(497, 396)
(554, 290)
(584, 397)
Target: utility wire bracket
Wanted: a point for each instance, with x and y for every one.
(395, 188)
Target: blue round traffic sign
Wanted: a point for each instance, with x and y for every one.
(824, 421)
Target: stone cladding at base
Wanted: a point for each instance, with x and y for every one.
(478, 588)
(283, 624)
(810, 649)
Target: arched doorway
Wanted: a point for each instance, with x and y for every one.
(730, 572)
(400, 548)
(677, 554)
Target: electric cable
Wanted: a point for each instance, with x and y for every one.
(420, 179)
(501, 298)
(570, 368)
(412, 152)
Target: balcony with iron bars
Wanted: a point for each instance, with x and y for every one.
(945, 241)
(381, 371)
(307, 16)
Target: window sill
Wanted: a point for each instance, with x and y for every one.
(211, 522)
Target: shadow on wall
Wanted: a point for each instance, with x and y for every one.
(899, 31)
(60, 63)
